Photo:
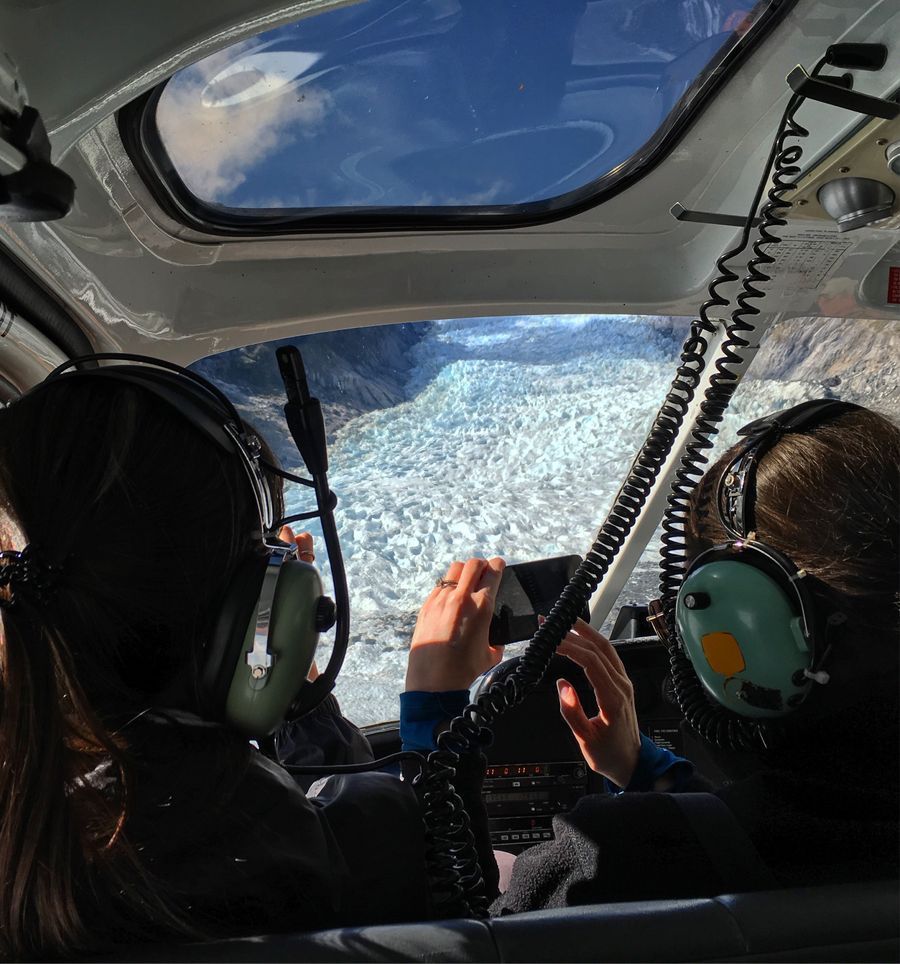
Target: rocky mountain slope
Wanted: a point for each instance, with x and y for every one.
(854, 359)
(350, 372)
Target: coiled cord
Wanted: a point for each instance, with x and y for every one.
(457, 884)
(458, 887)
(712, 721)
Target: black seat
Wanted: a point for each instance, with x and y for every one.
(849, 922)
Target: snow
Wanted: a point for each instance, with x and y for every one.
(514, 442)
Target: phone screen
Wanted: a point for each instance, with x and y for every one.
(527, 590)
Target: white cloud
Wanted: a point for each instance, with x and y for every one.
(214, 148)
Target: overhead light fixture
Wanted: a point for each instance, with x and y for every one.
(892, 156)
(856, 201)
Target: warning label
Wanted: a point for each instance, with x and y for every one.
(665, 734)
(893, 294)
(807, 258)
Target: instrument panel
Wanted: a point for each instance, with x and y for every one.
(522, 798)
(535, 769)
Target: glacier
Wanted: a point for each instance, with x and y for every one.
(512, 441)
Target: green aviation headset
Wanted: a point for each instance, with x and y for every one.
(746, 615)
(253, 671)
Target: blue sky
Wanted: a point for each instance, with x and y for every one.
(438, 102)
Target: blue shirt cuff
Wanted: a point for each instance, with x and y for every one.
(653, 763)
(421, 713)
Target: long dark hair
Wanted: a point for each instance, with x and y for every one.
(829, 499)
(145, 519)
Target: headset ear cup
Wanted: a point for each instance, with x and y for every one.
(226, 647)
(742, 627)
(256, 705)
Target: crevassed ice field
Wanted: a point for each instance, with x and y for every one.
(513, 443)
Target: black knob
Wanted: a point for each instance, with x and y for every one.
(696, 600)
(667, 690)
(326, 614)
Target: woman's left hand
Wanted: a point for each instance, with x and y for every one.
(450, 646)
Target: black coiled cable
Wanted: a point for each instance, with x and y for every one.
(712, 721)
(458, 887)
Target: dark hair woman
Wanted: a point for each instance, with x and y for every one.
(822, 806)
(124, 818)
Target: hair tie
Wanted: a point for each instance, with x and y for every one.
(26, 571)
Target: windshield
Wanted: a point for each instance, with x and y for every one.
(491, 436)
(440, 103)
(504, 436)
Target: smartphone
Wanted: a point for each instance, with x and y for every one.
(528, 590)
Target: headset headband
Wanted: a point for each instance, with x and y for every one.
(198, 400)
(736, 493)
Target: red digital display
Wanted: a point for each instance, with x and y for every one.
(893, 297)
(516, 770)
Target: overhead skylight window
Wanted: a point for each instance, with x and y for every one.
(457, 105)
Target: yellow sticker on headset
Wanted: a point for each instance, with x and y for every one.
(723, 653)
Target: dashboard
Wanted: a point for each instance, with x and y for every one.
(535, 769)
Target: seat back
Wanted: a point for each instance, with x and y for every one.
(849, 922)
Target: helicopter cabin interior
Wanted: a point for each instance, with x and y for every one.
(489, 229)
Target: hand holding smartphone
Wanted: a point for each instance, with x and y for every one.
(528, 590)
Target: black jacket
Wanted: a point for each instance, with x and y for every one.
(238, 847)
(323, 737)
(824, 810)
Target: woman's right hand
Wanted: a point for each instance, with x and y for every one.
(450, 646)
(610, 742)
